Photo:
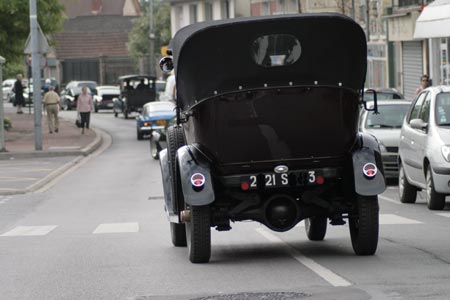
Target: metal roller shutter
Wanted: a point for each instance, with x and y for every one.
(412, 67)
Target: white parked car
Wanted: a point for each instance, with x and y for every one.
(7, 87)
(425, 148)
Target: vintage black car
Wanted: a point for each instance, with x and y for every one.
(135, 91)
(267, 130)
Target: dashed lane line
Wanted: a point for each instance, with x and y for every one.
(116, 228)
(446, 215)
(388, 199)
(387, 219)
(30, 231)
(326, 274)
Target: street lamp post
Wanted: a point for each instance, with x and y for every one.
(36, 70)
(2, 116)
(152, 39)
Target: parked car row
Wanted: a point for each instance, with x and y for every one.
(414, 140)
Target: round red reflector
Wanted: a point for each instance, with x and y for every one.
(370, 170)
(245, 186)
(198, 180)
(320, 180)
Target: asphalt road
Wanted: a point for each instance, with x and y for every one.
(100, 232)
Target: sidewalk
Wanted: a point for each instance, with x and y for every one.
(23, 169)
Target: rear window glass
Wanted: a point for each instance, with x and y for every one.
(389, 116)
(162, 106)
(443, 109)
(276, 50)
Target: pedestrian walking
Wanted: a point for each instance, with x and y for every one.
(18, 91)
(51, 104)
(84, 107)
(424, 83)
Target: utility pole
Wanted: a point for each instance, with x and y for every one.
(36, 71)
(2, 113)
(367, 20)
(152, 40)
(353, 9)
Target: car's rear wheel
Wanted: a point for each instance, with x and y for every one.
(364, 225)
(139, 135)
(435, 200)
(198, 234)
(407, 192)
(316, 228)
(176, 139)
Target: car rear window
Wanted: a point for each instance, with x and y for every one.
(389, 116)
(276, 50)
(161, 106)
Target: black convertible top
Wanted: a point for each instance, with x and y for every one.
(214, 58)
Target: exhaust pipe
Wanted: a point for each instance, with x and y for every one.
(281, 212)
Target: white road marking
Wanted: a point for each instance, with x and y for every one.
(388, 199)
(324, 273)
(390, 219)
(30, 230)
(117, 228)
(446, 215)
(4, 199)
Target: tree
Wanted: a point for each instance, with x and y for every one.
(139, 37)
(15, 28)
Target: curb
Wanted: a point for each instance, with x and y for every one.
(94, 145)
(80, 155)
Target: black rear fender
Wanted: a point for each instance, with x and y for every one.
(188, 166)
(368, 152)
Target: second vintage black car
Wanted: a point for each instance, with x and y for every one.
(267, 130)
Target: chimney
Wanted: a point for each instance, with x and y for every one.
(97, 6)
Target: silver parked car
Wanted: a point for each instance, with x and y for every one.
(425, 148)
(385, 126)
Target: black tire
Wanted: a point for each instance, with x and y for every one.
(154, 149)
(96, 109)
(364, 225)
(407, 192)
(176, 139)
(178, 234)
(198, 234)
(435, 200)
(316, 228)
(139, 135)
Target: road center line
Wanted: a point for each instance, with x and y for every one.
(324, 273)
(388, 199)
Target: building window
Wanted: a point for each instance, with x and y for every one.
(225, 9)
(179, 16)
(265, 8)
(292, 6)
(281, 7)
(208, 11)
(193, 13)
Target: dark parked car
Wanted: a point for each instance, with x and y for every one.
(104, 97)
(135, 91)
(267, 130)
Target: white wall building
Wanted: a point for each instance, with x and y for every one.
(186, 12)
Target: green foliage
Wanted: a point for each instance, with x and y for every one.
(139, 37)
(15, 27)
(7, 124)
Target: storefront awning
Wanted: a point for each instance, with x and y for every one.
(434, 21)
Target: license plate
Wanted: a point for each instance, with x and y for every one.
(161, 122)
(275, 180)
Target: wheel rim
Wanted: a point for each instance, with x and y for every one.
(401, 181)
(429, 186)
(153, 148)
